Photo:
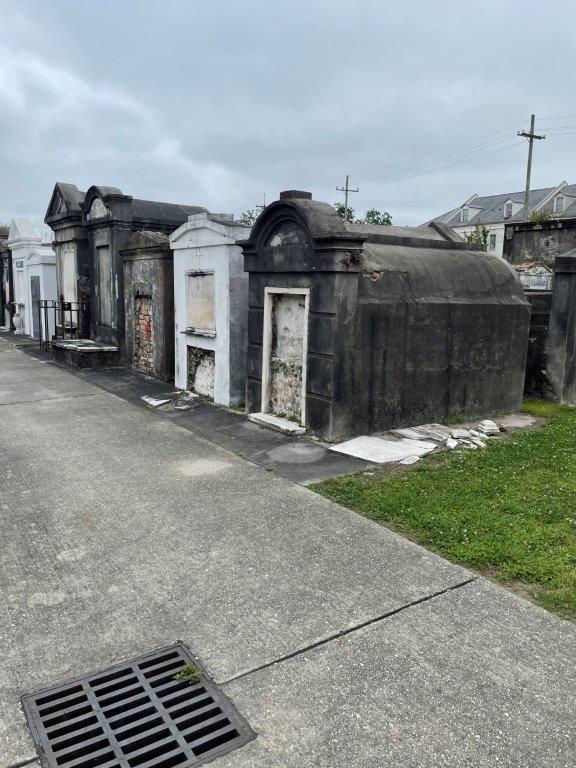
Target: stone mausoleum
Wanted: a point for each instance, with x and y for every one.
(73, 268)
(149, 304)
(354, 329)
(108, 219)
(211, 300)
(33, 273)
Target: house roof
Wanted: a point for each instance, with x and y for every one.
(492, 207)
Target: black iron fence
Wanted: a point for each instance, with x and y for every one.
(59, 319)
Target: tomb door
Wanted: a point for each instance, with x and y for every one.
(285, 352)
(104, 286)
(34, 310)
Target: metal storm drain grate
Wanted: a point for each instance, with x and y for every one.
(135, 715)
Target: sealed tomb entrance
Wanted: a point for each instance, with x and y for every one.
(201, 322)
(285, 352)
(143, 338)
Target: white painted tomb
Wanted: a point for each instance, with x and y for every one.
(210, 307)
(34, 270)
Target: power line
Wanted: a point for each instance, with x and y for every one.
(392, 178)
(430, 156)
(565, 117)
(441, 160)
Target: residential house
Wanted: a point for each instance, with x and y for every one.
(496, 211)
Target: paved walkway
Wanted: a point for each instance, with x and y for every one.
(342, 643)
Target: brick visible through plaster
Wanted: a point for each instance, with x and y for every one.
(143, 335)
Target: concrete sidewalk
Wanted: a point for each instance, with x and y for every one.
(341, 642)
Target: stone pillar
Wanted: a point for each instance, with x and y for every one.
(561, 344)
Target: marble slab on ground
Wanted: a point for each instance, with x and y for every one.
(379, 451)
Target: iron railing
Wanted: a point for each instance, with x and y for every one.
(59, 319)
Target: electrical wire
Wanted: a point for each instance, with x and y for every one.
(436, 156)
(392, 178)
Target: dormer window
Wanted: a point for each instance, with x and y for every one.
(559, 204)
(508, 210)
(464, 215)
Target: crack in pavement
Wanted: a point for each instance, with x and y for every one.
(348, 631)
(23, 763)
(49, 399)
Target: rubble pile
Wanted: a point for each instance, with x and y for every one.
(453, 438)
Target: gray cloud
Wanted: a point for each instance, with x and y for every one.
(217, 103)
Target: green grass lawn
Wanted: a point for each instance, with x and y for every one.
(508, 511)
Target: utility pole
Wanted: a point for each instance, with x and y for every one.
(261, 207)
(531, 136)
(346, 189)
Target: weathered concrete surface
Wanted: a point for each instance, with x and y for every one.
(21, 381)
(301, 460)
(122, 532)
(476, 677)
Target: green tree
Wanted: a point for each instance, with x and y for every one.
(339, 208)
(249, 216)
(479, 236)
(374, 216)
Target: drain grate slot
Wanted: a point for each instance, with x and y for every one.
(135, 715)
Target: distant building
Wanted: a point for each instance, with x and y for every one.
(496, 211)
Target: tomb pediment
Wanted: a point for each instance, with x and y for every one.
(65, 201)
(98, 210)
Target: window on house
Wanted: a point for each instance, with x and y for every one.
(508, 210)
(464, 214)
(200, 308)
(492, 243)
(559, 204)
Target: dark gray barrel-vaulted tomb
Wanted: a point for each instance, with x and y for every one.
(363, 328)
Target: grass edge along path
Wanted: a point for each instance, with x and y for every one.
(507, 511)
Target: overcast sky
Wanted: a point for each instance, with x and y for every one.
(216, 103)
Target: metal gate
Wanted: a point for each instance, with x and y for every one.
(61, 319)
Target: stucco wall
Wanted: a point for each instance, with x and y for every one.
(539, 241)
(203, 245)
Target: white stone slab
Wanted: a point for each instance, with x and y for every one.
(155, 402)
(409, 432)
(276, 423)
(421, 447)
(437, 432)
(84, 345)
(410, 460)
(380, 451)
(460, 434)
